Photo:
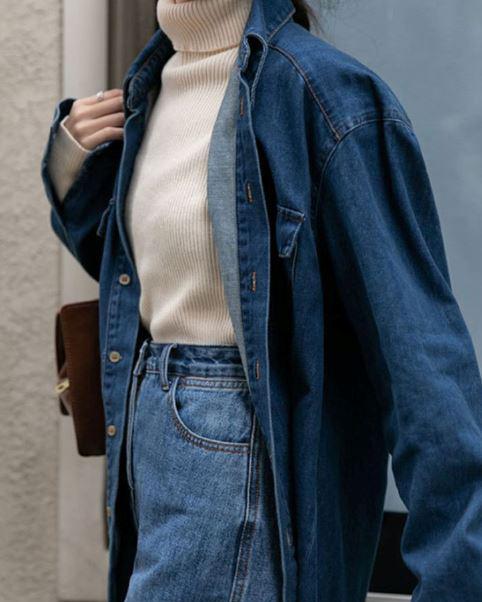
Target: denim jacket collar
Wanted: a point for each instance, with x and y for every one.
(264, 20)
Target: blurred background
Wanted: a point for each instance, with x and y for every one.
(52, 545)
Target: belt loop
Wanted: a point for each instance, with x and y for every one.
(140, 358)
(163, 365)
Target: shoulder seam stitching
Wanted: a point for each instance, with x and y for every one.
(299, 69)
(338, 144)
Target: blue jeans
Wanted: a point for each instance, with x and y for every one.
(199, 480)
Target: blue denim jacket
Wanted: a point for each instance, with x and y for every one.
(336, 277)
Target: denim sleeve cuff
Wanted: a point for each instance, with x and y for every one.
(65, 160)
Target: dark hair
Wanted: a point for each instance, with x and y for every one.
(303, 13)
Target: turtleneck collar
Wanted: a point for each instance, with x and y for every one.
(203, 25)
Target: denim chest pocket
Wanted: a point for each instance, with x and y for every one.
(287, 229)
(288, 224)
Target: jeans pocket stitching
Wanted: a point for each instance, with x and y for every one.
(213, 384)
(198, 440)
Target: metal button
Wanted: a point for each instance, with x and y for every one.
(124, 279)
(257, 369)
(249, 193)
(114, 356)
(111, 430)
(108, 511)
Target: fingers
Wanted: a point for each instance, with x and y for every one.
(94, 111)
(113, 93)
(90, 108)
(92, 122)
(103, 135)
(83, 128)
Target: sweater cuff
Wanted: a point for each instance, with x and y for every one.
(73, 152)
(66, 159)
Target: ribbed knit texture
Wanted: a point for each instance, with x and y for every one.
(182, 296)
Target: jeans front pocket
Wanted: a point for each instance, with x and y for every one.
(198, 472)
(213, 413)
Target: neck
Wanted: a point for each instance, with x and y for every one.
(203, 25)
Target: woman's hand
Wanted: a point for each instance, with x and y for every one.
(92, 122)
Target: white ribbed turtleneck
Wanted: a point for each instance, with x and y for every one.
(203, 25)
(182, 297)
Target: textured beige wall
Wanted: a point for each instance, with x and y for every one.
(30, 62)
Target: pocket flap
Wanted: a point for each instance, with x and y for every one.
(288, 223)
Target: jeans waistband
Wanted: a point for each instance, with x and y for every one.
(170, 359)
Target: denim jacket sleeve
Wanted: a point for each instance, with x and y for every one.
(76, 217)
(378, 216)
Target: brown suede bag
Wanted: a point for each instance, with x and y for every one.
(79, 373)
